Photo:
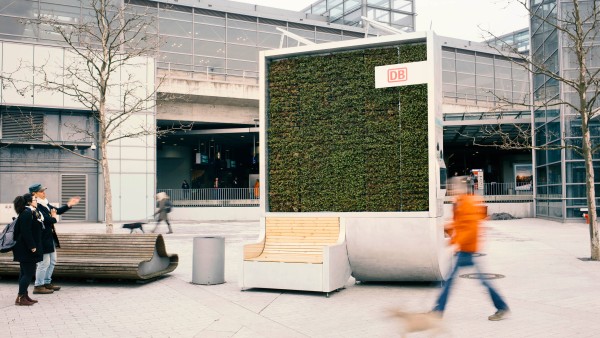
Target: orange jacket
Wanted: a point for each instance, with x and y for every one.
(464, 229)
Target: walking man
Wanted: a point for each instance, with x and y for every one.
(464, 232)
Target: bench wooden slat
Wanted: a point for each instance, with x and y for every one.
(106, 256)
(298, 239)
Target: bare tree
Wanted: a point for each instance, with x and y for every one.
(577, 26)
(104, 50)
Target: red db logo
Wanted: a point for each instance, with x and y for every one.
(397, 74)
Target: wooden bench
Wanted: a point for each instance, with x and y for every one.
(297, 253)
(138, 257)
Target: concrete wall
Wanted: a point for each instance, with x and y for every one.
(521, 210)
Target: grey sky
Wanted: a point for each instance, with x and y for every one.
(455, 18)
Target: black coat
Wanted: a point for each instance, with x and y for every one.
(49, 237)
(28, 235)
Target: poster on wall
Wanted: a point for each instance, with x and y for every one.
(523, 177)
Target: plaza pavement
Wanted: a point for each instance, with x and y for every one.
(551, 292)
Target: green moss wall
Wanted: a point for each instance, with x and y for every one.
(336, 143)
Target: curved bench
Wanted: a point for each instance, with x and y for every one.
(297, 253)
(138, 257)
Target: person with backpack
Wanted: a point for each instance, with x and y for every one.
(164, 206)
(45, 268)
(28, 247)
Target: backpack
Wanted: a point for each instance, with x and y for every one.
(168, 206)
(7, 237)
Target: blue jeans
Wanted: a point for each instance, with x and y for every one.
(465, 259)
(45, 268)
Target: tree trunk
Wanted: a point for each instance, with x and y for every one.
(107, 190)
(591, 192)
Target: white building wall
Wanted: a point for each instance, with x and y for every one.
(132, 161)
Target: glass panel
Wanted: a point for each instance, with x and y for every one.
(13, 26)
(336, 12)
(328, 37)
(540, 157)
(22, 8)
(268, 40)
(242, 65)
(304, 33)
(209, 48)
(270, 28)
(485, 82)
(378, 15)
(242, 52)
(465, 66)
(171, 58)
(404, 5)
(250, 25)
(70, 14)
(484, 69)
(575, 172)
(209, 32)
(553, 130)
(351, 4)
(319, 8)
(240, 36)
(465, 79)
(554, 154)
(176, 14)
(448, 64)
(209, 63)
(214, 20)
(554, 174)
(174, 27)
(177, 45)
(380, 3)
(402, 19)
(541, 176)
(333, 3)
(449, 77)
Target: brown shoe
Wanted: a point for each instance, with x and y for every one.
(41, 290)
(52, 287)
(22, 300)
(29, 298)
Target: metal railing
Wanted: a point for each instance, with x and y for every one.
(213, 197)
(499, 192)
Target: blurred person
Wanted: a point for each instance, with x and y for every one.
(45, 268)
(464, 230)
(28, 247)
(162, 201)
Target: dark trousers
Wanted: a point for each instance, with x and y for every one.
(25, 276)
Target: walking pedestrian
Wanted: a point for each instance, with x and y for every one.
(45, 268)
(164, 207)
(28, 247)
(464, 230)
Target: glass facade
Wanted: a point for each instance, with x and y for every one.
(482, 78)
(517, 39)
(196, 40)
(561, 185)
(396, 13)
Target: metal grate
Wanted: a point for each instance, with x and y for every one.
(22, 125)
(74, 185)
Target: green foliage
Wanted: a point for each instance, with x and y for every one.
(336, 143)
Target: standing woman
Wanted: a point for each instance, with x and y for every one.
(28, 248)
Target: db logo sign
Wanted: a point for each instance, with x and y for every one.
(397, 74)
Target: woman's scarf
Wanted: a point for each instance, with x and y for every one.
(38, 215)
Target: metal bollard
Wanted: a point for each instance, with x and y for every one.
(209, 260)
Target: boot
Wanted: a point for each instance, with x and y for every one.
(29, 299)
(41, 290)
(52, 287)
(22, 300)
